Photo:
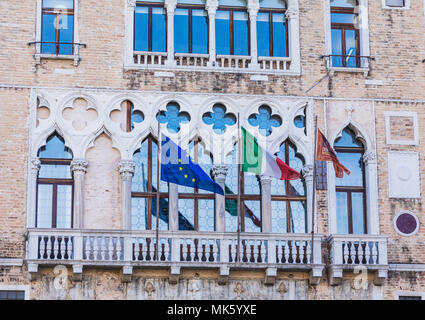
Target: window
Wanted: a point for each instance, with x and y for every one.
(345, 34)
(150, 27)
(272, 29)
(12, 295)
(416, 298)
(57, 35)
(232, 28)
(191, 27)
(144, 188)
(395, 3)
(54, 185)
(350, 190)
(289, 201)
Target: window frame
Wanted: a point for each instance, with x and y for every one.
(54, 182)
(58, 13)
(354, 189)
(190, 7)
(231, 10)
(271, 11)
(344, 27)
(150, 5)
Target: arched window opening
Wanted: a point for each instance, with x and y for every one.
(351, 190)
(54, 185)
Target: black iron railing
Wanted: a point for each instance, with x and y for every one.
(57, 47)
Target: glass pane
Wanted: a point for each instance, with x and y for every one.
(55, 149)
(44, 206)
(341, 213)
(344, 3)
(191, 1)
(55, 171)
(163, 214)
(263, 40)
(199, 31)
(232, 173)
(141, 29)
(342, 17)
(358, 212)
(222, 31)
(278, 212)
(298, 216)
(353, 162)
(336, 48)
(351, 51)
(206, 215)
(347, 139)
(181, 30)
(240, 33)
(48, 33)
(60, 4)
(251, 183)
(140, 178)
(279, 35)
(163, 186)
(64, 207)
(277, 4)
(66, 34)
(139, 218)
(159, 32)
(232, 3)
(252, 216)
(186, 214)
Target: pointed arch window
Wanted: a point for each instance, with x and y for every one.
(351, 189)
(289, 200)
(144, 188)
(54, 185)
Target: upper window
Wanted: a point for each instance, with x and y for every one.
(191, 27)
(54, 185)
(12, 295)
(57, 34)
(395, 3)
(345, 34)
(272, 29)
(232, 28)
(150, 27)
(351, 190)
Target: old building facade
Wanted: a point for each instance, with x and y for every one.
(82, 85)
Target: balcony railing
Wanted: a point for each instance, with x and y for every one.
(185, 249)
(145, 58)
(274, 63)
(191, 59)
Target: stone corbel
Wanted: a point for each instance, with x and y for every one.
(32, 271)
(173, 277)
(315, 275)
(335, 275)
(223, 275)
(77, 272)
(270, 278)
(126, 273)
(380, 276)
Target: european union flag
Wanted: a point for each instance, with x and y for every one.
(177, 167)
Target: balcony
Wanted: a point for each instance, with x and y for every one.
(361, 253)
(175, 250)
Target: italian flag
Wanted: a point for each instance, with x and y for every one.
(258, 161)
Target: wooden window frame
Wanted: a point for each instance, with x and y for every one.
(149, 195)
(55, 183)
(191, 7)
(354, 189)
(287, 197)
(231, 10)
(270, 12)
(151, 5)
(344, 27)
(58, 12)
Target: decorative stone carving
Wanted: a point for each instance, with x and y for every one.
(238, 290)
(150, 289)
(369, 156)
(211, 6)
(79, 166)
(291, 13)
(307, 172)
(126, 169)
(282, 289)
(131, 3)
(35, 166)
(350, 109)
(219, 171)
(170, 5)
(253, 7)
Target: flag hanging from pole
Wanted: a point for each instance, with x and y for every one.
(325, 152)
(259, 161)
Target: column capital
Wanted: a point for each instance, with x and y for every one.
(307, 172)
(170, 5)
(219, 171)
(131, 3)
(253, 7)
(211, 6)
(265, 179)
(35, 165)
(369, 157)
(291, 13)
(126, 169)
(79, 166)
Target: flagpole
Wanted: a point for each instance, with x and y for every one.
(239, 191)
(314, 190)
(157, 186)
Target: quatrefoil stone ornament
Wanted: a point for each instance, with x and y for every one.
(264, 120)
(219, 119)
(174, 118)
(80, 113)
(127, 116)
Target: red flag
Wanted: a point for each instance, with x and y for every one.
(325, 152)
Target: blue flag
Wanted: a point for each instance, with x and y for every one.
(177, 167)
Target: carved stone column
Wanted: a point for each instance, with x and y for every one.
(211, 7)
(126, 170)
(79, 169)
(34, 169)
(307, 173)
(170, 5)
(266, 204)
(173, 207)
(219, 173)
(371, 172)
(253, 7)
